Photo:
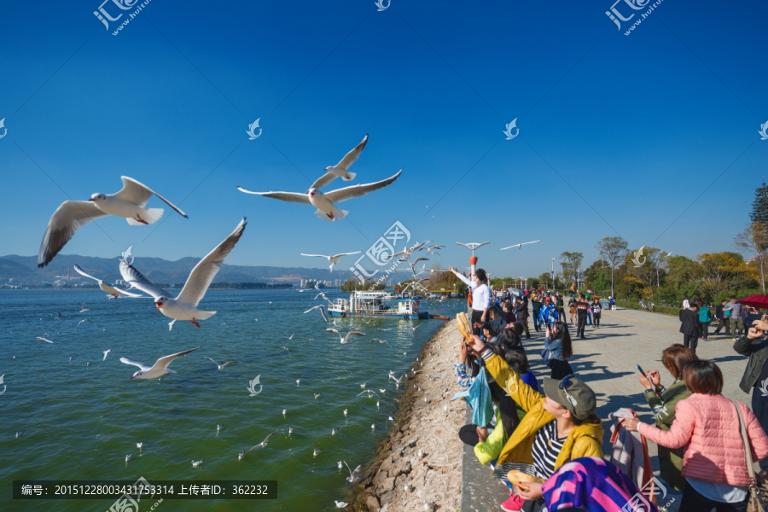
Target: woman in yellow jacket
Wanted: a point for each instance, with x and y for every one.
(557, 427)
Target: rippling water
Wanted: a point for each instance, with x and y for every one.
(79, 421)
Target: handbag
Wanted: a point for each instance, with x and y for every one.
(757, 501)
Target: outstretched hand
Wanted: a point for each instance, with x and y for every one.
(477, 344)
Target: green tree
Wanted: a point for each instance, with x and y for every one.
(570, 261)
(751, 241)
(759, 212)
(613, 250)
(599, 276)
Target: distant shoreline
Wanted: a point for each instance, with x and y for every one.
(233, 286)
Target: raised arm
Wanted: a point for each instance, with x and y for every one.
(523, 394)
(464, 279)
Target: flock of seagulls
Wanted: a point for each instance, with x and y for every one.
(130, 203)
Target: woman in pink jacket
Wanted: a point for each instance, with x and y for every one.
(714, 464)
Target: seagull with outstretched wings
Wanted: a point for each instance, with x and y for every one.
(184, 305)
(325, 201)
(128, 202)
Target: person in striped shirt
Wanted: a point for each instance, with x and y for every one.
(558, 426)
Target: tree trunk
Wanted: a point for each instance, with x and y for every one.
(613, 293)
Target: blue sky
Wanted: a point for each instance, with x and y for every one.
(652, 136)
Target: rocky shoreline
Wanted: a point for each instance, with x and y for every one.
(418, 465)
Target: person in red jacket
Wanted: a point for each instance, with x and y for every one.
(714, 464)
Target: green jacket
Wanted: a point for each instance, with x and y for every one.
(670, 461)
(489, 450)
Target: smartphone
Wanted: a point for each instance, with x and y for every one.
(655, 389)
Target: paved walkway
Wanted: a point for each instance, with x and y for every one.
(606, 360)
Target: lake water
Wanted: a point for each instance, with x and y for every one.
(78, 419)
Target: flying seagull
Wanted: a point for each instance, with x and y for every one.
(332, 259)
(408, 251)
(341, 169)
(353, 473)
(223, 364)
(184, 306)
(111, 291)
(128, 202)
(324, 202)
(43, 340)
(262, 444)
(520, 245)
(472, 246)
(320, 308)
(157, 370)
(345, 338)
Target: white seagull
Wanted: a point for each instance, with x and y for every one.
(184, 306)
(262, 444)
(2, 382)
(324, 202)
(341, 169)
(332, 259)
(408, 251)
(320, 308)
(345, 338)
(111, 291)
(43, 340)
(105, 353)
(223, 364)
(520, 245)
(472, 246)
(128, 202)
(157, 370)
(353, 473)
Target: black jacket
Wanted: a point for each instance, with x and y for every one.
(757, 350)
(689, 322)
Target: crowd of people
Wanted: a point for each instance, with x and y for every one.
(696, 317)
(543, 438)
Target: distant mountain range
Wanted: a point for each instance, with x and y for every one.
(22, 270)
